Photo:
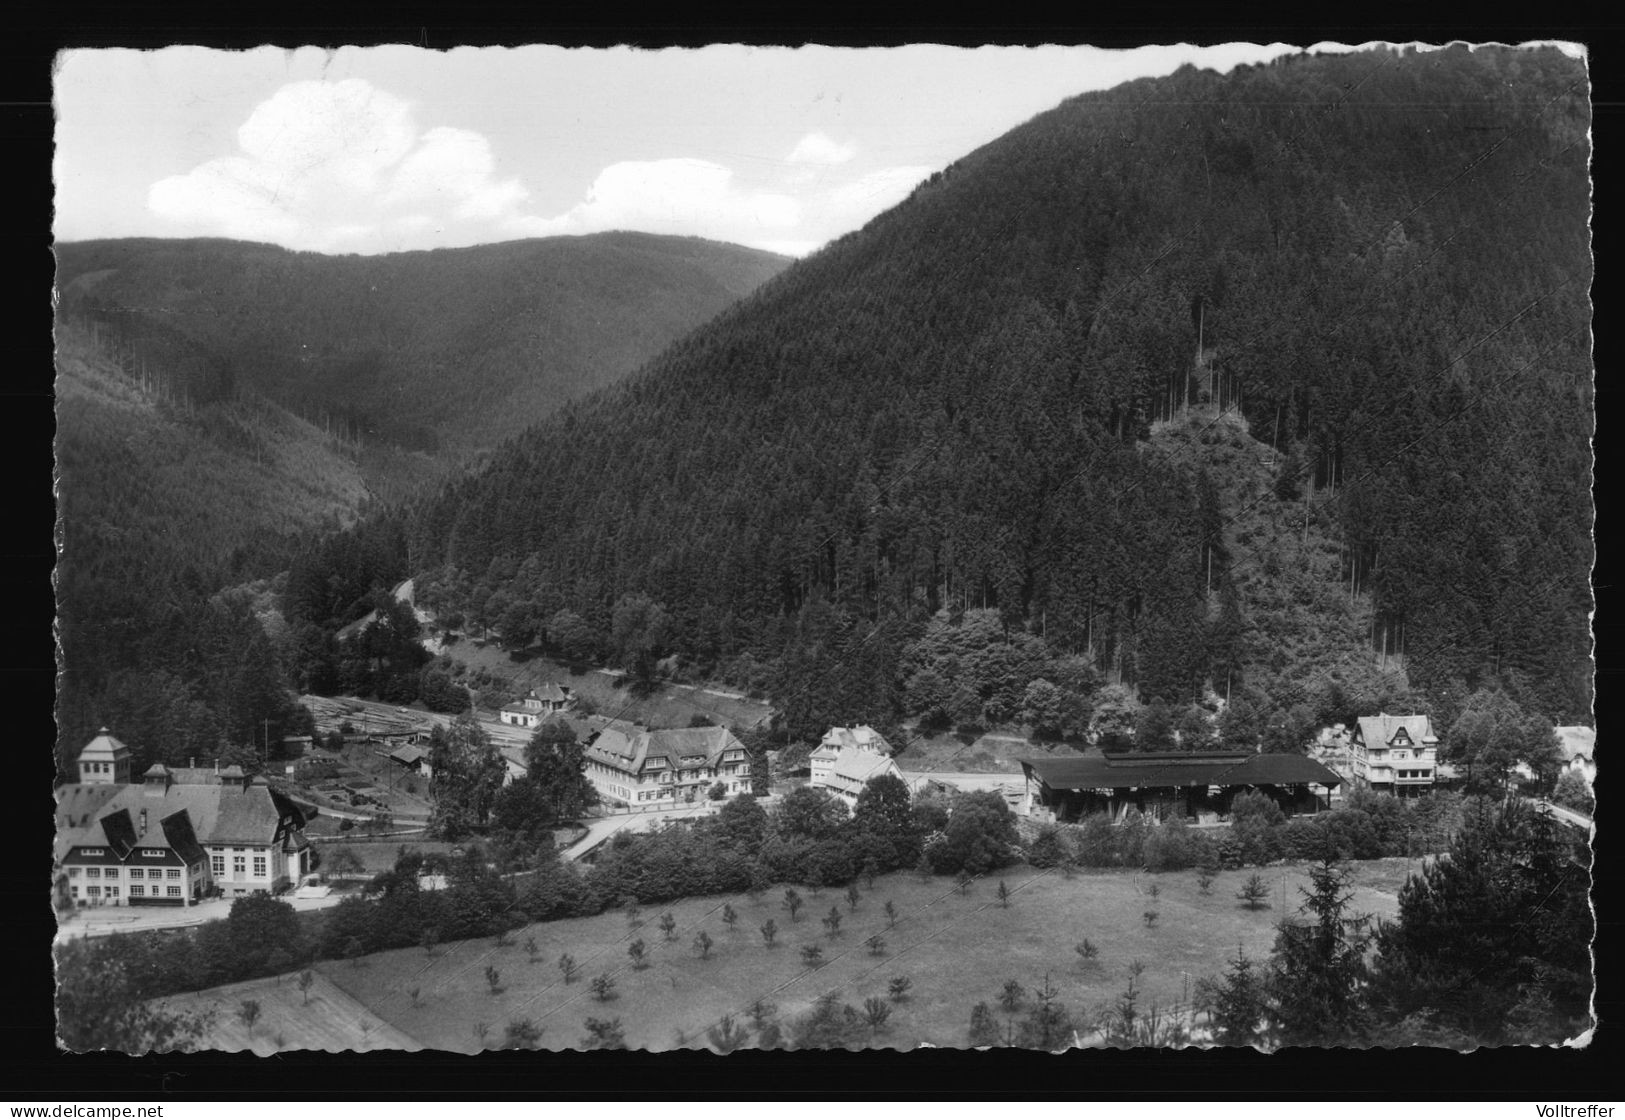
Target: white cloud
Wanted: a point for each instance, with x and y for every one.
(342, 166)
(856, 202)
(680, 196)
(815, 147)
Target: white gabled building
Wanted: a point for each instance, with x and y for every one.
(848, 758)
(536, 706)
(666, 767)
(1394, 754)
(173, 838)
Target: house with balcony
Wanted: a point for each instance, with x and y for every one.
(1394, 754)
(671, 767)
(174, 838)
(849, 758)
(536, 706)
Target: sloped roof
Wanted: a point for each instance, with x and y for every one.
(861, 737)
(550, 692)
(671, 744)
(103, 748)
(1168, 769)
(860, 765)
(1380, 729)
(518, 708)
(217, 814)
(408, 754)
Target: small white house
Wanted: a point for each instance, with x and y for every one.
(536, 706)
(848, 758)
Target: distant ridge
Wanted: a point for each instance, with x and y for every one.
(454, 348)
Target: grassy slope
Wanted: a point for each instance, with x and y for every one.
(957, 950)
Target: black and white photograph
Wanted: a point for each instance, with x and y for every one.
(742, 548)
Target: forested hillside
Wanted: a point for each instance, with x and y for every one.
(162, 503)
(1376, 265)
(451, 348)
(225, 408)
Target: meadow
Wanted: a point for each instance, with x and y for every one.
(956, 949)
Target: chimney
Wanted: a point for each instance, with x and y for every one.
(217, 766)
(191, 762)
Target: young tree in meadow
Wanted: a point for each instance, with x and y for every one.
(891, 914)
(567, 967)
(1150, 917)
(1004, 895)
(1087, 952)
(430, 938)
(812, 956)
(1047, 1026)
(852, 896)
(307, 979)
(1254, 892)
(248, 1012)
(770, 931)
(482, 1031)
(521, 1034)
(603, 1034)
(1011, 996)
(726, 1035)
(1204, 879)
(875, 1013)
(877, 945)
(832, 920)
(984, 1027)
(1238, 1004)
(730, 916)
(897, 988)
(639, 952)
(493, 979)
(792, 902)
(414, 992)
(702, 945)
(761, 1013)
(668, 926)
(531, 950)
(603, 987)
(1319, 972)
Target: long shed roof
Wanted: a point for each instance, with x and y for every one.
(1153, 770)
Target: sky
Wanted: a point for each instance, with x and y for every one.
(389, 149)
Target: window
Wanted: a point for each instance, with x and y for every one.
(73, 872)
(93, 892)
(112, 892)
(75, 891)
(137, 873)
(259, 867)
(174, 873)
(153, 853)
(238, 864)
(93, 852)
(174, 892)
(93, 873)
(138, 891)
(217, 864)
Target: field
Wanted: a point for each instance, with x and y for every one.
(331, 1021)
(956, 949)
